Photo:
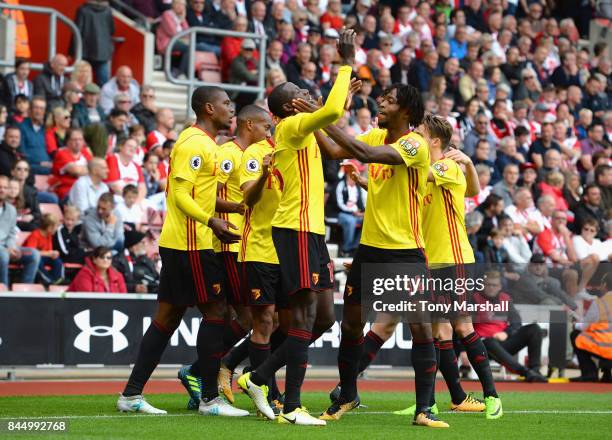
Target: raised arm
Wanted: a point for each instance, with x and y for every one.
(471, 176)
(253, 188)
(329, 149)
(362, 151)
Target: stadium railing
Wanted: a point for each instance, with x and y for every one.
(54, 16)
(192, 82)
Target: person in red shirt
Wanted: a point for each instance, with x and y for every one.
(50, 268)
(164, 119)
(58, 124)
(502, 333)
(230, 47)
(122, 169)
(69, 163)
(98, 275)
(332, 18)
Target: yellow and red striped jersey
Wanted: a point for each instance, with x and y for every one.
(446, 240)
(193, 159)
(393, 214)
(229, 157)
(257, 242)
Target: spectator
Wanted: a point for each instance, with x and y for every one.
(594, 99)
(145, 111)
(332, 18)
(171, 23)
(230, 47)
(152, 173)
(530, 89)
(527, 220)
(129, 210)
(590, 207)
(480, 131)
(41, 239)
(307, 80)
(467, 83)
(23, 198)
(508, 154)
(295, 64)
(86, 191)
(244, 70)
(137, 268)
(514, 242)
(17, 83)
(258, 23)
(536, 286)
(122, 102)
(21, 172)
(543, 144)
(591, 145)
(50, 82)
(82, 74)
(8, 150)
(400, 70)
(484, 177)
(70, 163)
(502, 333)
(122, 170)
(590, 336)
(95, 22)
(603, 180)
(88, 111)
(116, 128)
(506, 187)
(57, 125)
(567, 73)
(198, 17)
(363, 121)
(164, 129)
(350, 199)
(72, 95)
(500, 126)
(481, 157)
(424, 70)
(273, 55)
(586, 245)
(33, 144)
(122, 82)
(9, 251)
(98, 274)
(66, 239)
(101, 226)
(491, 209)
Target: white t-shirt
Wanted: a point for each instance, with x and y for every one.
(599, 248)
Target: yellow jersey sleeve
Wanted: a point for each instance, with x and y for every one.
(413, 149)
(446, 173)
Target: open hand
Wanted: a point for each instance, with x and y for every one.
(302, 106)
(458, 156)
(346, 46)
(221, 228)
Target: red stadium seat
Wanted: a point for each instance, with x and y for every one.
(210, 76)
(41, 182)
(21, 237)
(206, 61)
(24, 287)
(3, 288)
(52, 208)
(59, 289)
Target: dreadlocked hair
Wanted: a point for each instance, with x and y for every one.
(409, 100)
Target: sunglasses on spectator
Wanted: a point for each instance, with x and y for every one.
(106, 257)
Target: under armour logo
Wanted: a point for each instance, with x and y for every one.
(83, 339)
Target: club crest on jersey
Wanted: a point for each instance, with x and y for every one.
(255, 293)
(195, 162)
(440, 168)
(315, 278)
(252, 165)
(410, 146)
(227, 166)
(217, 288)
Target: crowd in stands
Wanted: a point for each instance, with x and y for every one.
(84, 155)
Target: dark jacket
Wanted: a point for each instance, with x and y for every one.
(8, 157)
(142, 271)
(397, 73)
(145, 116)
(561, 78)
(33, 144)
(206, 20)
(95, 21)
(584, 212)
(80, 115)
(420, 75)
(31, 206)
(50, 86)
(10, 90)
(69, 244)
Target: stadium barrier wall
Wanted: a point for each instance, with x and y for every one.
(106, 329)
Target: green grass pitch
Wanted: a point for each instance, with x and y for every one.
(527, 416)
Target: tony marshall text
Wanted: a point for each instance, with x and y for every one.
(426, 306)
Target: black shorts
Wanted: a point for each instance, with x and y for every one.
(263, 284)
(189, 277)
(232, 277)
(456, 293)
(304, 261)
(369, 254)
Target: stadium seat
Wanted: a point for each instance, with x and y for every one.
(52, 208)
(24, 287)
(41, 182)
(3, 288)
(210, 76)
(58, 289)
(206, 61)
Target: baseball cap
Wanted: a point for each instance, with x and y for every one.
(92, 89)
(540, 106)
(538, 258)
(247, 43)
(314, 30)
(331, 33)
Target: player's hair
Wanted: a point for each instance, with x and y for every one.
(277, 98)
(127, 189)
(409, 99)
(250, 111)
(438, 127)
(202, 96)
(107, 197)
(48, 219)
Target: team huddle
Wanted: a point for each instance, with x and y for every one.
(244, 241)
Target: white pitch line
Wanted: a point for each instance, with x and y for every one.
(117, 416)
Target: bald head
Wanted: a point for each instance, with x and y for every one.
(165, 118)
(124, 76)
(58, 64)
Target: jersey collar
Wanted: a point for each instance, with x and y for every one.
(387, 136)
(203, 131)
